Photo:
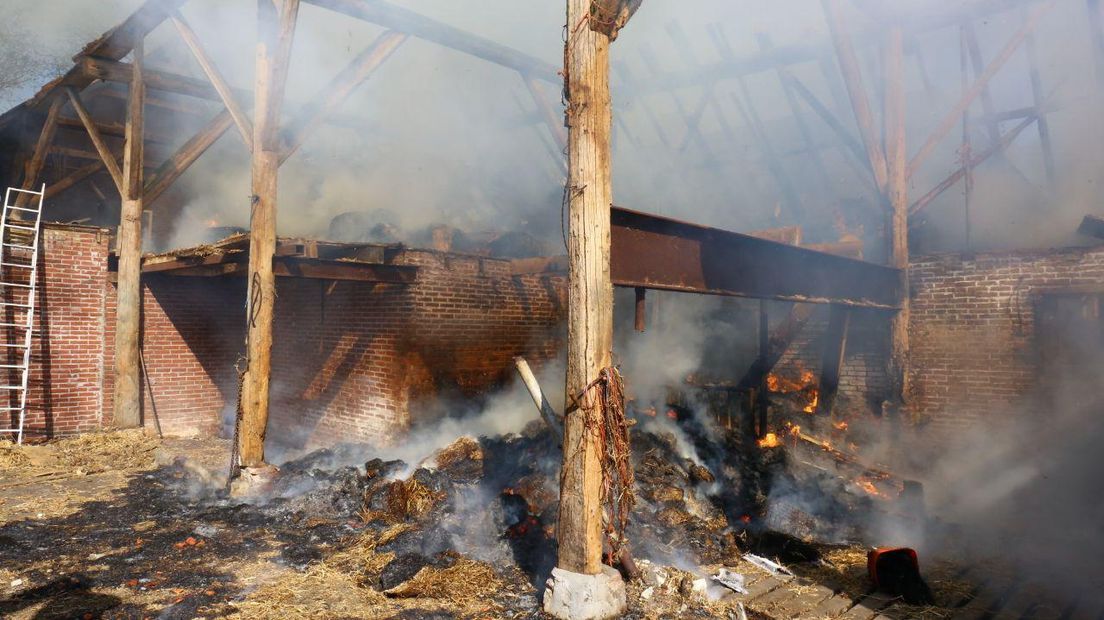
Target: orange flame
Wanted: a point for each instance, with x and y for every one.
(770, 440)
(866, 484)
(840, 426)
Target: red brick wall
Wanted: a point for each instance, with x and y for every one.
(972, 327)
(192, 334)
(64, 395)
(357, 361)
(863, 380)
(351, 360)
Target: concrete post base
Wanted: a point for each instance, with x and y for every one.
(253, 481)
(575, 596)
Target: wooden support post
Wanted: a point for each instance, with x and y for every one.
(330, 98)
(978, 87)
(128, 247)
(98, 141)
(34, 165)
(831, 361)
(245, 128)
(590, 289)
(852, 79)
(897, 161)
(764, 365)
(641, 322)
(276, 29)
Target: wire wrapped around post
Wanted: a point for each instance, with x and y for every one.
(607, 395)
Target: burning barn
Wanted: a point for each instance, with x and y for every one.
(291, 291)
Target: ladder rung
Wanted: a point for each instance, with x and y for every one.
(17, 265)
(14, 284)
(22, 247)
(15, 305)
(14, 346)
(20, 326)
(11, 387)
(20, 366)
(10, 409)
(10, 225)
(21, 209)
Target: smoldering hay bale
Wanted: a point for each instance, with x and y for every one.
(462, 460)
(464, 581)
(410, 499)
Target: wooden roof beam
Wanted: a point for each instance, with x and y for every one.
(221, 86)
(404, 20)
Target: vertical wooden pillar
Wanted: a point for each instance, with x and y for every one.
(764, 365)
(128, 247)
(275, 31)
(641, 318)
(897, 190)
(590, 290)
(831, 361)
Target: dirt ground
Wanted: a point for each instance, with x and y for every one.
(120, 525)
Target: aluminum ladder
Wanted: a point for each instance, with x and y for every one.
(19, 234)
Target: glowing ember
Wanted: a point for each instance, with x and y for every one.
(866, 484)
(770, 440)
(804, 388)
(840, 426)
(811, 407)
(672, 414)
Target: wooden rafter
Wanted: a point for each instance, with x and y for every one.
(222, 87)
(330, 98)
(976, 160)
(184, 157)
(852, 78)
(978, 87)
(97, 140)
(33, 167)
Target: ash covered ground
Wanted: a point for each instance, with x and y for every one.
(467, 532)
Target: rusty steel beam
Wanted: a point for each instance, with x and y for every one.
(655, 252)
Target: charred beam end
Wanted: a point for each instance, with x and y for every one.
(661, 253)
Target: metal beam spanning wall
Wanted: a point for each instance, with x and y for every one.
(661, 253)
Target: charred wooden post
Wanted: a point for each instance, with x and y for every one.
(128, 247)
(276, 29)
(831, 361)
(580, 588)
(640, 323)
(897, 190)
(764, 366)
